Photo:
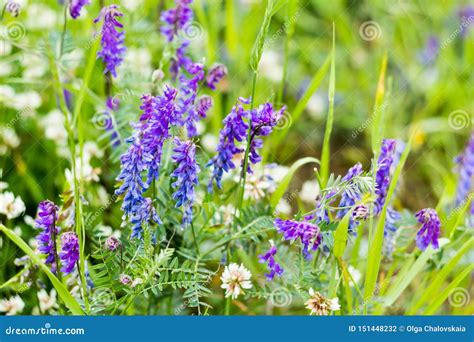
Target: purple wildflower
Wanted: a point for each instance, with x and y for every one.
(390, 230)
(465, 168)
(430, 51)
(75, 7)
(308, 233)
(235, 129)
(350, 196)
(143, 215)
(134, 162)
(216, 73)
(273, 266)
(383, 171)
(13, 8)
(112, 243)
(264, 118)
(176, 19)
(180, 60)
(466, 16)
(68, 98)
(46, 220)
(69, 251)
(158, 113)
(186, 173)
(430, 229)
(187, 113)
(112, 41)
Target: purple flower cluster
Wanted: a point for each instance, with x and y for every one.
(46, 221)
(144, 213)
(186, 177)
(176, 19)
(235, 130)
(466, 16)
(13, 8)
(143, 154)
(273, 267)
(308, 234)
(390, 230)
(75, 7)
(112, 40)
(69, 251)
(350, 196)
(383, 173)
(430, 229)
(465, 168)
(216, 73)
(263, 119)
(430, 51)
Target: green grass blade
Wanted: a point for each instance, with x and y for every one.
(67, 298)
(433, 288)
(377, 125)
(375, 246)
(324, 173)
(257, 49)
(441, 297)
(283, 186)
(405, 278)
(455, 218)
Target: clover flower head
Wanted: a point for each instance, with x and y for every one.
(320, 305)
(235, 279)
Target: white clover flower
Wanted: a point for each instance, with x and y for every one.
(10, 205)
(235, 279)
(54, 129)
(12, 306)
(309, 191)
(47, 301)
(320, 305)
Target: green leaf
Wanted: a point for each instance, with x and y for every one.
(67, 298)
(379, 108)
(325, 157)
(441, 297)
(283, 186)
(433, 288)
(405, 278)
(375, 246)
(341, 235)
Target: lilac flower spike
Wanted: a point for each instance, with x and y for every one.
(216, 73)
(176, 19)
(75, 7)
(112, 41)
(235, 130)
(269, 258)
(186, 177)
(308, 233)
(383, 171)
(350, 197)
(145, 213)
(264, 118)
(69, 251)
(430, 229)
(46, 220)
